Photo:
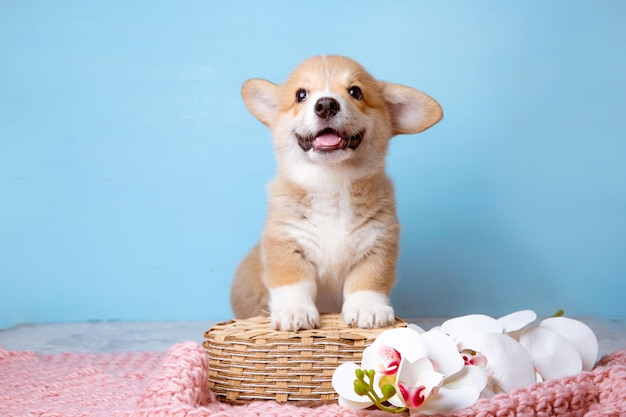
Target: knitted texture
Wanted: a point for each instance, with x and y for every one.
(174, 384)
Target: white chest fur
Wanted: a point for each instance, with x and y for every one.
(328, 237)
(332, 239)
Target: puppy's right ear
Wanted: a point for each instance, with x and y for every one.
(261, 99)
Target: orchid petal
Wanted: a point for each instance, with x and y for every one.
(354, 405)
(369, 358)
(443, 352)
(430, 380)
(468, 330)
(411, 372)
(416, 328)
(389, 358)
(470, 376)
(449, 400)
(517, 320)
(578, 334)
(407, 342)
(343, 383)
(372, 359)
(553, 356)
(508, 363)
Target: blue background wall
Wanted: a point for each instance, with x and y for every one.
(133, 179)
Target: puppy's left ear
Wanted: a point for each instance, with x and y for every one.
(411, 110)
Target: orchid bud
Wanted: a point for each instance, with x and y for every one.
(361, 388)
(388, 391)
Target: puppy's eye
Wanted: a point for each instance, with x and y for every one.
(301, 95)
(355, 92)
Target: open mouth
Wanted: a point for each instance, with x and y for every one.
(329, 140)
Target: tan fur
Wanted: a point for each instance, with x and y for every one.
(331, 220)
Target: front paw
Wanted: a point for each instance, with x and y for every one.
(292, 319)
(292, 307)
(367, 309)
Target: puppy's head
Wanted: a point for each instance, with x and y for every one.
(330, 112)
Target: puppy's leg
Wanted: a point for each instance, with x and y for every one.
(366, 291)
(249, 296)
(292, 287)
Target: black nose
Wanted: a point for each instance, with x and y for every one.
(326, 107)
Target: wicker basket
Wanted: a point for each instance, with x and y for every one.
(248, 360)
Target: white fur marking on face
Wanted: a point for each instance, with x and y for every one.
(326, 71)
(292, 307)
(367, 309)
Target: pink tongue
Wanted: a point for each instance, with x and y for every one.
(328, 139)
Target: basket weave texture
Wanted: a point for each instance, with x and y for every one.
(249, 360)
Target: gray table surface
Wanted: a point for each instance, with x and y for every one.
(158, 336)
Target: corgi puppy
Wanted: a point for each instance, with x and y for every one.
(330, 241)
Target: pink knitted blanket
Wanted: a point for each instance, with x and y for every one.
(175, 384)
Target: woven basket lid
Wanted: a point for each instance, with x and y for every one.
(249, 360)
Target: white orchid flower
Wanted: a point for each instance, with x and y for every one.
(417, 381)
(383, 356)
(457, 392)
(441, 383)
(482, 341)
(560, 347)
(578, 334)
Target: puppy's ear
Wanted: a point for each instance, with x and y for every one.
(261, 99)
(411, 110)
